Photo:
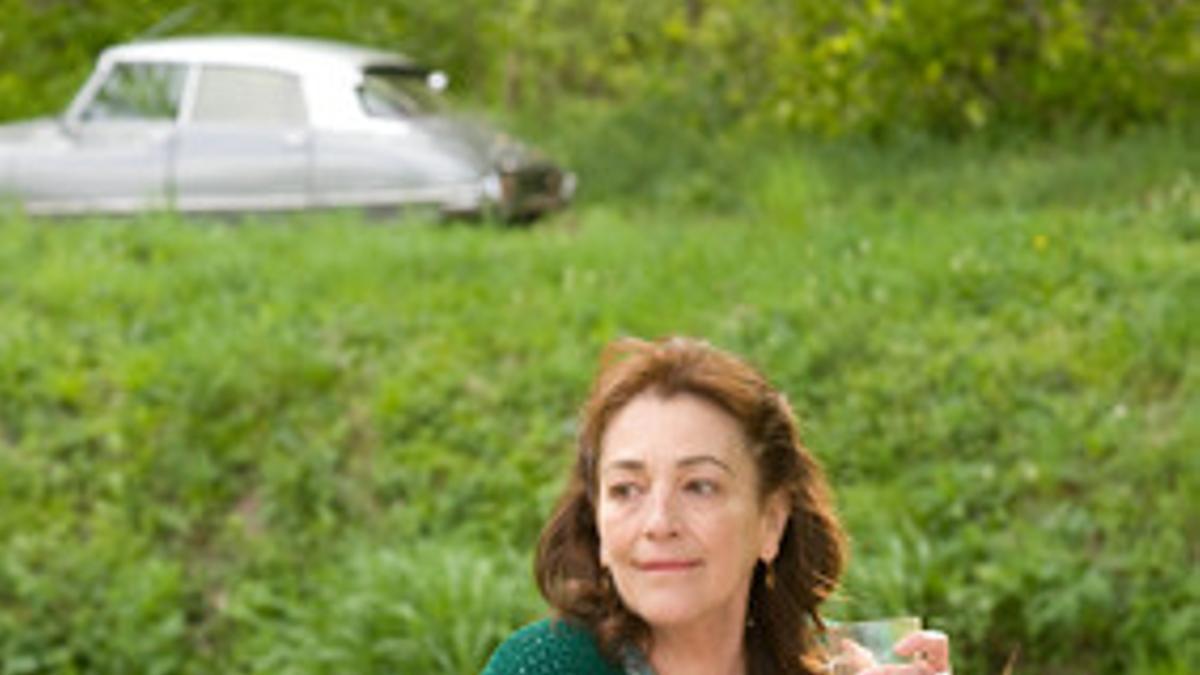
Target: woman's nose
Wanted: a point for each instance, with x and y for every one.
(661, 520)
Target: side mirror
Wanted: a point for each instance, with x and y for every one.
(437, 81)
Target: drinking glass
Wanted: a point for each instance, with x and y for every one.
(877, 637)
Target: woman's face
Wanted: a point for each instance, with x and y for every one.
(681, 525)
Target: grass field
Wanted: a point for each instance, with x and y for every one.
(325, 444)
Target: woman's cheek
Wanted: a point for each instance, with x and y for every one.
(613, 527)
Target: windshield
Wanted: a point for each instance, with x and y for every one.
(138, 91)
(394, 93)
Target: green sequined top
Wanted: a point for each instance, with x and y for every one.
(554, 647)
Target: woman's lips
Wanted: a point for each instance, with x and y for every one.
(667, 565)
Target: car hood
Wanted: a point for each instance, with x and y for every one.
(20, 138)
(44, 132)
(43, 129)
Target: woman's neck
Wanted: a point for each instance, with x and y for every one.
(711, 647)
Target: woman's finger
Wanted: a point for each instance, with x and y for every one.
(853, 657)
(903, 669)
(929, 647)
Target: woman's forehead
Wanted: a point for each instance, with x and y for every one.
(679, 430)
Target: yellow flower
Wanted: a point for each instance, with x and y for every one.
(1040, 242)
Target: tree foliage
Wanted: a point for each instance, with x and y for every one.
(859, 67)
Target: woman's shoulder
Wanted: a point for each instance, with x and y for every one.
(549, 647)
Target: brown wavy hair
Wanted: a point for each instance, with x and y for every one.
(783, 621)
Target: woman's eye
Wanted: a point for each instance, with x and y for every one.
(620, 491)
(702, 487)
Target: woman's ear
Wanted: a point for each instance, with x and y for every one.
(775, 516)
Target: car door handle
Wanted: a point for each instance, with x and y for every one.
(295, 139)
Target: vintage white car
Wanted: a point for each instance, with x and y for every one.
(252, 123)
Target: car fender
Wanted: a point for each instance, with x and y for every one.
(21, 139)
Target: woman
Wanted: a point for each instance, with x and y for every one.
(696, 533)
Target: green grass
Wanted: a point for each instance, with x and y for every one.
(324, 444)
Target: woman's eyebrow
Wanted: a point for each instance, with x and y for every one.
(624, 465)
(637, 465)
(693, 460)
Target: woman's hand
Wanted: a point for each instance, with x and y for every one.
(852, 658)
(929, 651)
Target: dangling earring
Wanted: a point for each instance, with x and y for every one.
(769, 578)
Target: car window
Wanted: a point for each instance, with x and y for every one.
(138, 91)
(396, 93)
(230, 94)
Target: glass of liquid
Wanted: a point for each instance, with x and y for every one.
(855, 646)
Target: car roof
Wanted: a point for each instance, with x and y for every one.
(294, 54)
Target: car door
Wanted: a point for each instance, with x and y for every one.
(113, 155)
(244, 144)
(392, 158)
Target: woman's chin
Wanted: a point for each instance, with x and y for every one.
(660, 610)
